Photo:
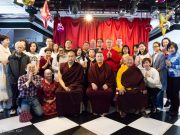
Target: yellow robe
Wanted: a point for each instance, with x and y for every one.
(122, 69)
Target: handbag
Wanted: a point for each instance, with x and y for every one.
(25, 116)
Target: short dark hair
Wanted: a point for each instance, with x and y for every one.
(48, 49)
(126, 46)
(146, 59)
(136, 45)
(174, 45)
(3, 37)
(157, 43)
(69, 40)
(100, 39)
(29, 46)
(99, 52)
(86, 42)
(165, 39)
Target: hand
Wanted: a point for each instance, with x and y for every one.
(105, 87)
(147, 75)
(67, 89)
(144, 91)
(122, 91)
(168, 63)
(110, 54)
(30, 77)
(94, 86)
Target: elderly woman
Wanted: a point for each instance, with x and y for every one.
(131, 90)
(48, 88)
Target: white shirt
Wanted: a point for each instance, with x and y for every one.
(154, 80)
(41, 52)
(155, 57)
(139, 58)
(4, 53)
(34, 58)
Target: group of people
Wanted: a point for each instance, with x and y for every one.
(62, 80)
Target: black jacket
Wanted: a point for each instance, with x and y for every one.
(16, 67)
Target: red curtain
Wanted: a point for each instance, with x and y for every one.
(78, 30)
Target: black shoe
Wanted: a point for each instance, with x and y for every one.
(173, 113)
(167, 104)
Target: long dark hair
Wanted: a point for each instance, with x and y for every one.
(29, 46)
(125, 46)
(145, 51)
(165, 39)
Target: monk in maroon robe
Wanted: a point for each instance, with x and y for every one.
(101, 79)
(69, 94)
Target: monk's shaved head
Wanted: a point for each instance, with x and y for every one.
(71, 57)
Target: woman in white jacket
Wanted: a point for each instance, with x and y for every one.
(152, 80)
(4, 54)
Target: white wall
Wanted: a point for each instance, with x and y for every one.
(173, 36)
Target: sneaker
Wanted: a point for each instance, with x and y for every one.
(12, 112)
(167, 104)
(1, 110)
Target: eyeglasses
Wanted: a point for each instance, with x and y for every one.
(155, 46)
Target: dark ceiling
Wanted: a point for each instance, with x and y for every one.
(106, 5)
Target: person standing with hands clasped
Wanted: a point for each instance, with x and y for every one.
(173, 66)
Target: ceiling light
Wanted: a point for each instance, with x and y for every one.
(88, 17)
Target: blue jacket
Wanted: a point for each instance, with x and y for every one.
(174, 70)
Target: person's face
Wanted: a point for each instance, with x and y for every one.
(33, 47)
(86, 46)
(49, 43)
(130, 61)
(48, 74)
(99, 58)
(156, 47)
(146, 65)
(119, 42)
(109, 44)
(31, 69)
(20, 47)
(48, 54)
(165, 43)
(61, 51)
(171, 49)
(71, 57)
(135, 50)
(6, 42)
(142, 48)
(99, 43)
(24, 45)
(68, 44)
(79, 52)
(55, 47)
(93, 43)
(91, 53)
(125, 50)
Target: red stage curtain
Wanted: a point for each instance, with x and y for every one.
(78, 30)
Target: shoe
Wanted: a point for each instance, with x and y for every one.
(12, 112)
(172, 113)
(167, 104)
(122, 114)
(1, 110)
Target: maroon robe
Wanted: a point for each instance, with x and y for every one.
(134, 99)
(69, 102)
(100, 99)
(48, 93)
(42, 62)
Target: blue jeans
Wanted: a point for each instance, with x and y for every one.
(31, 102)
